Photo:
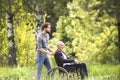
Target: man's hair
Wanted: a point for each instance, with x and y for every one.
(45, 25)
(59, 42)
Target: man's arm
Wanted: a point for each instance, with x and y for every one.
(50, 49)
(59, 56)
(75, 60)
(45, 51)
(39, 46)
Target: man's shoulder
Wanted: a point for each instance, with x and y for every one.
(40, 35)
(58, 53)
(43, 35)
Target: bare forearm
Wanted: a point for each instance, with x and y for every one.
(50, 50)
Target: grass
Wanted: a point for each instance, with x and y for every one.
(96, 72)
(104, 72)
(23, 73)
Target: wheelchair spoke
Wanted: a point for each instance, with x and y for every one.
(57, 73)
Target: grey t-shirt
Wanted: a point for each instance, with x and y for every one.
(42, 41)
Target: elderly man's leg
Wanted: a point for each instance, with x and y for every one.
(75, 68)
(84, 68)
(70, 68)
(81, 70)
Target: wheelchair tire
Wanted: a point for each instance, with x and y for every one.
(56, 72)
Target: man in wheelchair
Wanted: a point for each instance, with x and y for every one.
(71, 65)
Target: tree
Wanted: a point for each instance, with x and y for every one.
(46, 10)
(86, 35)
(11, 9)
(37, 7)
(110, 7)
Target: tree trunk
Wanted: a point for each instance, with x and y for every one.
(11, 43)
(38, 20)
(119, 40)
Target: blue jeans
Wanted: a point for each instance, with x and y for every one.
(40, 60)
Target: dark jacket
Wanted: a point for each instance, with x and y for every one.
(60, 59)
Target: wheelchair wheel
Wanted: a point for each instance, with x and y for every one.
(57, 73)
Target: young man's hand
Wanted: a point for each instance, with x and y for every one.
(52, 53)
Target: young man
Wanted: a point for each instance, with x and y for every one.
(69, 64)
(43, 49)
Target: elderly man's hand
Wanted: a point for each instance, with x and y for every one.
(76, 61)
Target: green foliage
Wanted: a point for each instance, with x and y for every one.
(87, 36)
(55, 9)
(3, 47)
(24, 30)
(25, 38)
(86, 26)
(3, 42)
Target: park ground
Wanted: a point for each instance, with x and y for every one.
(96, 72)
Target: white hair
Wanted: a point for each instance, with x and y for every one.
(59, 42)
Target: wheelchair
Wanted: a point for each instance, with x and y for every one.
(60, 73)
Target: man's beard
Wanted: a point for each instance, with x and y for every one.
(48, 32)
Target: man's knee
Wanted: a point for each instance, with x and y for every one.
(83, 64)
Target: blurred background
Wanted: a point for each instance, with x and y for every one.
(90, 30)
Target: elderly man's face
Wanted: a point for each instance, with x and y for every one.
(61, 46)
